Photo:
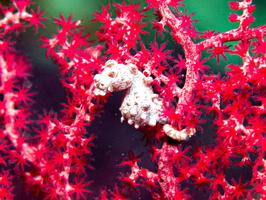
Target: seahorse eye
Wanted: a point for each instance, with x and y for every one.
(112, 74)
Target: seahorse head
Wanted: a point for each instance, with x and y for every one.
(114, 77)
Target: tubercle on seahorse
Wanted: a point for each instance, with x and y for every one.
(140, 106)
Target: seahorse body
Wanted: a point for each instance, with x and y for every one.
(140, 106)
